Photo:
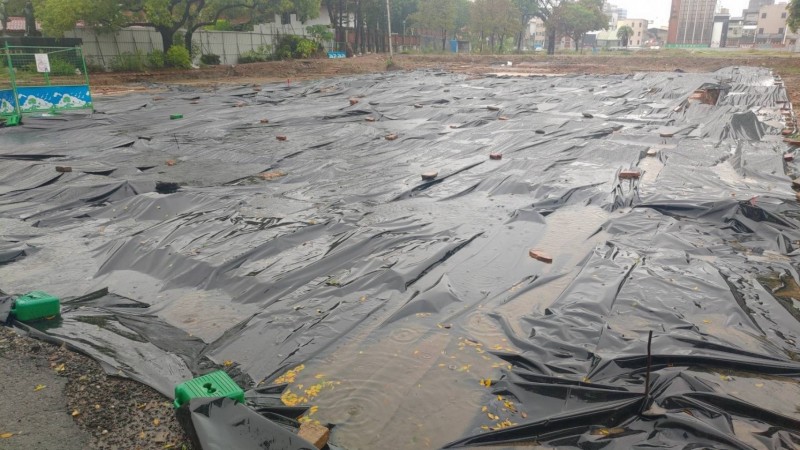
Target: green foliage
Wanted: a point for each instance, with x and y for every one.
(58, 16)
(320, 33)
(290, 46)
(60, 67)
(495, 20)
(128, 62)
(156, 59)
(261, 54)
(793, 19)
(210, 59)
(178, 57)
(220, 25)
(576, 18)
(624, 34)
(305, 48)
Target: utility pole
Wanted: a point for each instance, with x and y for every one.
(389, 21)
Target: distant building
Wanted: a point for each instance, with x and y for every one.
(719, 33)
(772, 29)
(737, 35)
(639, 27)
(757, 4)
(656, 37)
(691, 23)
(16, 26)
(619, 13)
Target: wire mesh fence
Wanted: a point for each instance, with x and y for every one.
(43, 66)
(42, 80)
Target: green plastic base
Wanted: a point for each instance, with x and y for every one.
(13, 121)
(215, 384)
(36, 305)
(176, 116)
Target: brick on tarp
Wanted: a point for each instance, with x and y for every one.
(630, 174)
(316, 434)
(540, 256)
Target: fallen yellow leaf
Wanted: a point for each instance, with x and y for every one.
(227, 363)
(484, 409)
(75, 413)
(156, 421)
(486, 382)
(60, 368)
(39, 387)
(6, 435)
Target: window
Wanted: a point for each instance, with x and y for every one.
(286, 19)
(783, 15)
(638, 33)
(763, 15)
(780, 30)
(760, 31)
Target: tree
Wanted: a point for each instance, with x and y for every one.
(527, 10)
(576, 18)
(494, 19)
(439, 15)
(166, 16)
(624, 34)
(545, 13)
(794, 15)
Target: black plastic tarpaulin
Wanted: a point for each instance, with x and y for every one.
(406, 312)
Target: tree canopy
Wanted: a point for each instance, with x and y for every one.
(794, 15)
(624, 34)
(485, 21)
(166, 16)
(576, 18)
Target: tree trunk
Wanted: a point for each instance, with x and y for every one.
(551, 41)
(187, 39)
(444, 40)
(357, 37)
(519, 42)
(483, 38)
(342, 37)
(167, 37)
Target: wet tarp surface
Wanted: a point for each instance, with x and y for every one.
(408, 312)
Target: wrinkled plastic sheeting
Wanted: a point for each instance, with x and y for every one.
(221, 423)
(349, 251)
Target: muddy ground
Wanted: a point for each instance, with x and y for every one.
(56, 399)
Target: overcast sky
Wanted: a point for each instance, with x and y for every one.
(658, 10)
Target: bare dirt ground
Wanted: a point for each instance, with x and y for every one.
(80, 405)
(785, 64)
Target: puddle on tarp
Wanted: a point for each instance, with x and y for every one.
(409, 309)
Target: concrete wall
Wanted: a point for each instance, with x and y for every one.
(101, 48)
